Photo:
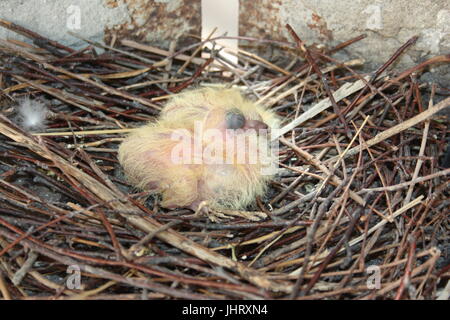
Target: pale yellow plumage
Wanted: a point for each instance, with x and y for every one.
(147, 154)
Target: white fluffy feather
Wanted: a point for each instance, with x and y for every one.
(32, 114)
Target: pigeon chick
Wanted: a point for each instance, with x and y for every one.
(209, 148)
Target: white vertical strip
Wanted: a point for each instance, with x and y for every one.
(223, 15)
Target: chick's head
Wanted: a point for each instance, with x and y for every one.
(216, 133)
(221, 108)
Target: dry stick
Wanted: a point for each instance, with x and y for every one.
(417, 220)
(142, 242)
(22, 272)
(301, 45)
(267, 247)
(259, 60)
(281, 43)
(250, 57)
(32, 35)
(39, 277)
(82, 133)
(342, 202)
(435, 254)
(100, 45)
(345, 44)
(150, 82)
(341, 156)
(88, 215)
(377, 73)
(117, 246)
(321, 252)
(397, 129)
(87, 258)
(196, 51)
(344, 91)
(66, 215)
(299, 71)
(322, 255)
(263, 238)
(303, 83)
(88, 293)
(419, 290)
(333, 252)
(368, 84)
(168, 66)
(100, 173)
(398, 212)
(422, 149)
(3, 288)
(300, 100)
(95, 143)
(101, 272)
(370, 231)
(311, 159)
(329, 174)
(106, 88)
(63, 95)
(143, 47)
(146, 224)
(294, 183)
(408, 183)
(360, 258)
(197, 73)
(311, 232)
(404, 74)
(66, 97)
(47, 249)
(377, 169)
(78, 101)
(278, 235)
(407, 277)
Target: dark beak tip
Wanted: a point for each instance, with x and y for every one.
(256, 124)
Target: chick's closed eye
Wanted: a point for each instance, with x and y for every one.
(234, 119)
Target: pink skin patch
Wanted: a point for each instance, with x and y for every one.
(152, 185)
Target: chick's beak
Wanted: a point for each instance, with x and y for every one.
(255, 124)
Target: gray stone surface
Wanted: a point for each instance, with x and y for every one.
(54, 18)
(387, 24)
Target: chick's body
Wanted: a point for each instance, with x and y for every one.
(192, 153)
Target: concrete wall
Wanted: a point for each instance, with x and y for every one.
(388, 24)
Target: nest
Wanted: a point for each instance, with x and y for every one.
(358, 210)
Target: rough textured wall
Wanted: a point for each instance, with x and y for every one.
(54, 18)
(158, 21)
(388, 24)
